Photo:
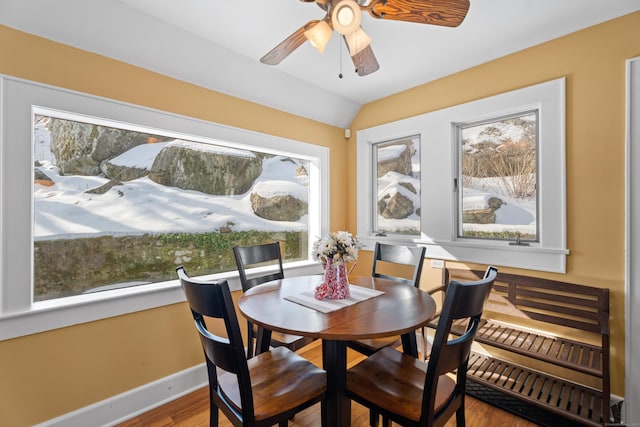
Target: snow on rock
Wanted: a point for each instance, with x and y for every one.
(476, 200)
(210, 148)
(141, 156)
(273, 188)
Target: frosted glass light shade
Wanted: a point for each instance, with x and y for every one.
(357, 40)
(346, 16)
(318, 33)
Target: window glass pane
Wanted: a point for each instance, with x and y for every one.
(397, 178)
(116, 207)
(498, 168)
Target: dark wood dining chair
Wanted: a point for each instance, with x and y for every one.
(263, 255)
(384, 256)
(265, 390)
(411, 392)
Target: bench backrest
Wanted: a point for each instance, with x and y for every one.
(585, 308)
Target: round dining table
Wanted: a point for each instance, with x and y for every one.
(377, 308)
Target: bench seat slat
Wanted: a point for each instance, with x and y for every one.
(545, 345)
(597, 359)
(574, 354)
(477, 363)
(555, 349)
(564, 399)
(536, 344)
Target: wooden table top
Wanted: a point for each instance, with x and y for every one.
(400, 309)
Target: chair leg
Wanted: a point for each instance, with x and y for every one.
(374, 418)
(460, 421)
(213, 416)
(323, 414)
(386, 422)
(283, 423)
(250, 338)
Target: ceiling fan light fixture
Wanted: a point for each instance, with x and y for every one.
(318, 33)
(346, 16)
(357, 40)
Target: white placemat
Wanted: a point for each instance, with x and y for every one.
(356, 294)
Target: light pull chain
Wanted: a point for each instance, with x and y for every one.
(340, 54)
(356, 37)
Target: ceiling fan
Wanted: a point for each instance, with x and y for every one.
(344, 17)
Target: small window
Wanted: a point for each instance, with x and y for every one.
(397, 181)
(497, 179)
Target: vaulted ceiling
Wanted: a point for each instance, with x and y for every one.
(217, 44)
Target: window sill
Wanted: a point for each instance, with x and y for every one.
(495, 253)
(48, 315)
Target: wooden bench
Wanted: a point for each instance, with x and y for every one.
(560, 324)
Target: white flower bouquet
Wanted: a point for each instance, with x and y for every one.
(339, 246)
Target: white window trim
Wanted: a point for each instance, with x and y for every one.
(631, 406)
(18, 98)
(438, 169)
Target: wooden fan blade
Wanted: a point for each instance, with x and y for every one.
(447, 13)
(284, 49)
(365, 61)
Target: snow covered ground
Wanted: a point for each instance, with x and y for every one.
(65, 210)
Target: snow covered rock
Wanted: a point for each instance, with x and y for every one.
(206, 168)
(80, 148)
(397, 206)
(397, 195)
(395, 158)
(134, 163)
(122, 173)
(288, 203)
(42, 178)
(481, 209)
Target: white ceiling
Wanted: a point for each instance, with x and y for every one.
(217, 44)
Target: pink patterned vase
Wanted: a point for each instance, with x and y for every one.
(335, 284)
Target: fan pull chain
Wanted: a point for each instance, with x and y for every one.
(340, 55)
(356, 68)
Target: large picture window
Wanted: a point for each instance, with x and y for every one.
(102, 200)
(132, 204)
(491, 180)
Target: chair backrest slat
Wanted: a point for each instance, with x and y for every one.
(251, 256)
(397, 254)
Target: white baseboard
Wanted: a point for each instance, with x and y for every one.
(134, 402)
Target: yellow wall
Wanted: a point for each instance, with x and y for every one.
(49, 374)
(593, 62)
(46, 375)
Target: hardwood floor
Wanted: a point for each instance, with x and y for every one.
(192, 410)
